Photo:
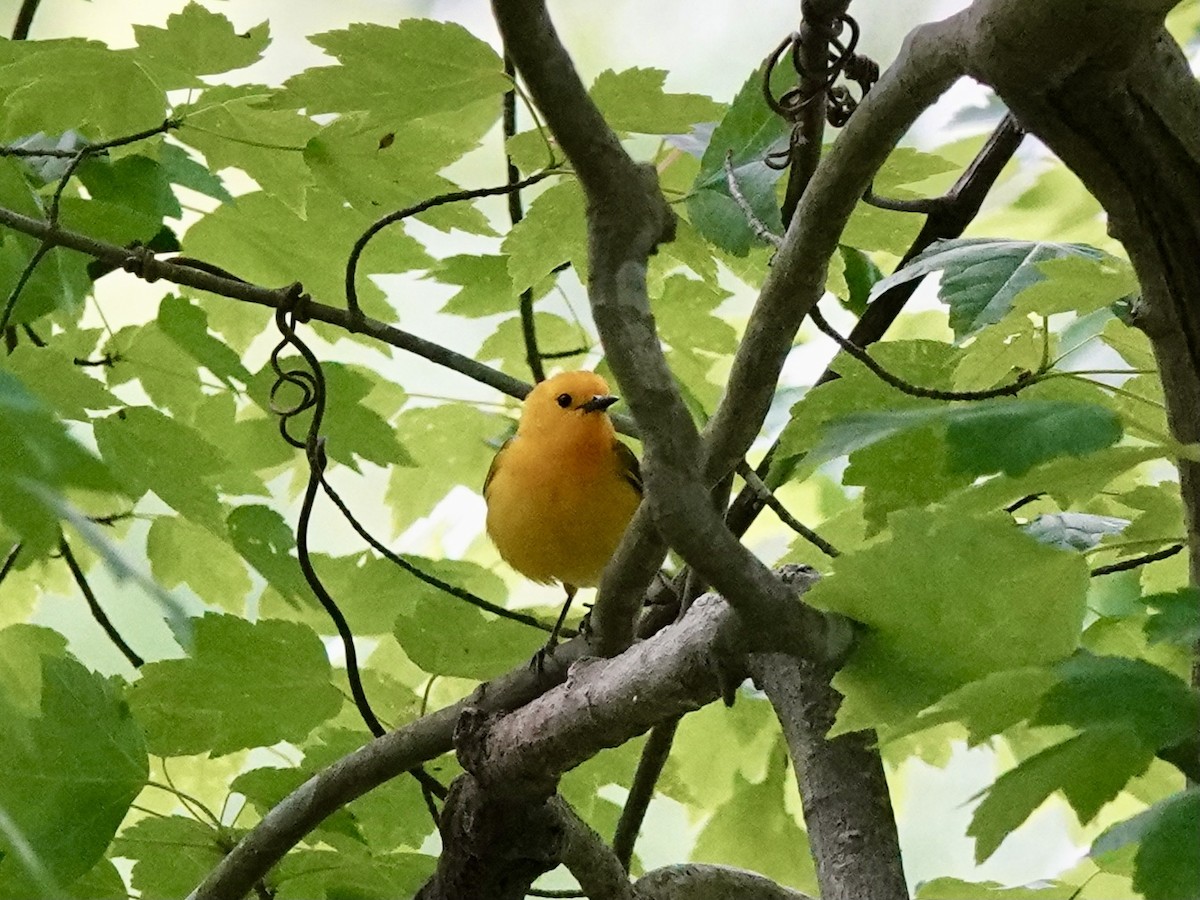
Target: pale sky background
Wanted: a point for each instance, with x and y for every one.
(708, 46)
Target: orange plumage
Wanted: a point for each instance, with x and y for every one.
(561, 492)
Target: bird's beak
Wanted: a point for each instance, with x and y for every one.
(599, 403)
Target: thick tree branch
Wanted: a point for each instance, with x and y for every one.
(1120, 106)
(694, 881)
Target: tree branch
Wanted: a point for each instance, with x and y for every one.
(695, 881)
(25, 19)
(150, 268)
(641, 792)
(94, 606)
(516, 213)
(1120, 106)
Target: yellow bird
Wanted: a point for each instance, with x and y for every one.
(562, 490)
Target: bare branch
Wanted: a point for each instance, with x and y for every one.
(755, 484)
(150, 268)
(516, 213)
(641, 792)
(1135, 562)
(24, 19)
(94, 606)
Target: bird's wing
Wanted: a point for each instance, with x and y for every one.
(495, 464)
(631, 469)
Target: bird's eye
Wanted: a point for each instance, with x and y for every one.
(564, 400)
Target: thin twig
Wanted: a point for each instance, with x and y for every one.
(1136, 561)
(641, 791)
(9, 561)
(432, 580)
(766, 496)
(94, 605)
(735, 191)
(1023, 380)
(1023, 501)
(400, 215)
(22, 280)
(516, 213)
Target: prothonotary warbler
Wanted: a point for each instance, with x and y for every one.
(562, 490)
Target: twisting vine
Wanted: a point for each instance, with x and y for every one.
(311, 383)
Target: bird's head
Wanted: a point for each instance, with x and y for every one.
(570, 403)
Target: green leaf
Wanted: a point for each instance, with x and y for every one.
(56, 380)
(393, 815)
(956, 889)
(60, 280)
(265, 541)
(486, 287)
(259, 238)
(986, 707)
(147, 451)
(451, 445)
(1167, 866)
(265, 788)
(183, 553)
(195, 42)
(685, 314)
(171, 854)
(553, 232)
(1079, 284)
(233, 128)
(1102, 691)
(168, 375)
(985, 437)
(351, 872)
(70, 774)
(378, 170)
(634, 100)
(775, 847)
(1176, 617)
(136, 182)
(186, 172)
(397, 73)
(1090, 769)
(447, 636)
(59, 86)
(981, 277)
(555, 335)
(187, 325)
(750, 130)
(858, 390)
(237, 690)
(928, 636)
(859, 276)
(352, 427)
(41, 461)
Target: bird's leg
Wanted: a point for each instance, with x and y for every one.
(539, 658)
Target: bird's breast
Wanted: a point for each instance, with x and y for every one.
(557, 514)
